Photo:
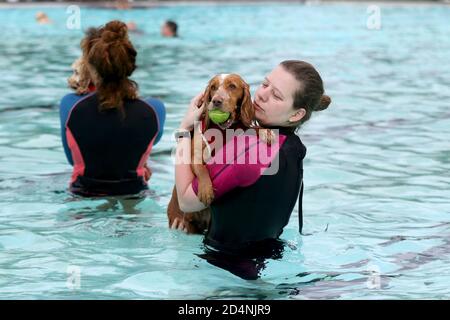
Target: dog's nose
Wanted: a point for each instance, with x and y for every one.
(217, 102)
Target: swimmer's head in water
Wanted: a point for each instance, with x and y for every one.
(131, 26)
(42, 18)
(169, 29)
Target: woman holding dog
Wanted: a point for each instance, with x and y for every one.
(254, 212)
(108, 134)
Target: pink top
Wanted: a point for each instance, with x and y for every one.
(240, 162)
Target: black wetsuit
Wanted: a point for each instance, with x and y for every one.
(251, 209)
(109, 150)
(255, 207)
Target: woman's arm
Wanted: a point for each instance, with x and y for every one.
(187, 199)
(160, 110)
(66, 105)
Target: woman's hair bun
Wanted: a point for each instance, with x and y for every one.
(114, 31)
(323, 103)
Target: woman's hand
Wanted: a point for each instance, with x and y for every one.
(193, 113)
(147, 172)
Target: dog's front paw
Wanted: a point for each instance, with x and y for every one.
(179, 224)
(205, 193)
(267, 135)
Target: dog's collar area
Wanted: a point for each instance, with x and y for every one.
(226, 124)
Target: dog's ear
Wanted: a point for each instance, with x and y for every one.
(247, 110)
(206, 101)
(84, 78)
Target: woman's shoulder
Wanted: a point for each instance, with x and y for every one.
(157, 106)
(261, 137)
(246, 147)
(294, 145)
(70, 99)
(152, 102)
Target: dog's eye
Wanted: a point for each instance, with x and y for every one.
(213, 87)
(232, 86)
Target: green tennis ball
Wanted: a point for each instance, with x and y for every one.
(217, 116)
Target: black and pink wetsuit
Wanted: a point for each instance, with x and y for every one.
(254, 198)
(108, 151)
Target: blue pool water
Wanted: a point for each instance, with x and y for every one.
(376, 203)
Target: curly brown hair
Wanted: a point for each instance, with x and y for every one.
(112, 59)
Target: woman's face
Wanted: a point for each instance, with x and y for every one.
(274, 99)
